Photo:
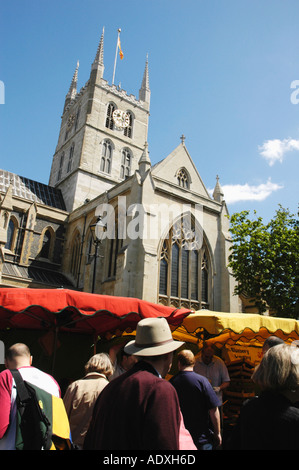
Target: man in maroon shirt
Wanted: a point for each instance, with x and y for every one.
(139, 410)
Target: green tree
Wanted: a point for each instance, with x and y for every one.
(264, 259)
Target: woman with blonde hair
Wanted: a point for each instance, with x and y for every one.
(271, 420)
(81, 395)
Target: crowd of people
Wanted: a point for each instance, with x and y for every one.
(123, 402)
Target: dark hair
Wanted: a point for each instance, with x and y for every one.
(123, 353)
(272, 341)
(152, 358)
(208, 346)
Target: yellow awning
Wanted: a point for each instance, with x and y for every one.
(232, 327)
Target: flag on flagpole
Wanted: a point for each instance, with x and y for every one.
(121, 55)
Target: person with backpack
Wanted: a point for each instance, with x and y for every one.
(18, 360)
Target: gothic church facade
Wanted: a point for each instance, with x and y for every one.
(166, 238)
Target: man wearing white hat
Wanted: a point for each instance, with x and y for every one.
(139, 410)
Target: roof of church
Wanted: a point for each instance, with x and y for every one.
(31, 190)
(36, 274)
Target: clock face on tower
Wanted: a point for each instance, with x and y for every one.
(121, 118)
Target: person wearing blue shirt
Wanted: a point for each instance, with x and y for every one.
(199, 403)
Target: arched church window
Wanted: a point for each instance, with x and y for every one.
(12, 230)
(115, 244)
(175, 274)
(75, 255)
(182, 178)
(129, 129)
(204, 279)
(126, 161)
(109, 117)
(106, 158)
(60, 166)
(46, 245)
(164, 263)
(77, 117)
(89, 251)
(184, 267)
(71, 156)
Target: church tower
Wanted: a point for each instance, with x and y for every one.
(102, 135)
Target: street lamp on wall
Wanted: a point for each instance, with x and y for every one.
(97, 232)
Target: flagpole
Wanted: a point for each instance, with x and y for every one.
(118, 31)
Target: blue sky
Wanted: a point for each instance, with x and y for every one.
(221, 73)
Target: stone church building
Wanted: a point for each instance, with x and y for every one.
(165, 238)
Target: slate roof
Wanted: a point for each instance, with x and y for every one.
(40, 275)
(31, 190)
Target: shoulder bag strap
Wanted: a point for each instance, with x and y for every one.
(21, 388)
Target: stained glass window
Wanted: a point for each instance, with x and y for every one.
(184, 267)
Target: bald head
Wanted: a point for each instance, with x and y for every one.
(18, 355)
(186, 360)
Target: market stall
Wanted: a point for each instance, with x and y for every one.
(68, 325)
(239, 339)
(231, 328)
(236, 335)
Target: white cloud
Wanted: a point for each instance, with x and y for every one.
(246, 192)
(275, 150)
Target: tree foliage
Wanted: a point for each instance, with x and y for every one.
(264, 259)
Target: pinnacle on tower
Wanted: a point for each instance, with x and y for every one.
(144, 92)
(73, 87)
(98, 63)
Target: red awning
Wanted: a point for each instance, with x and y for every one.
(79, 312)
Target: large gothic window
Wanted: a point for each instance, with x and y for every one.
(184, 268)
(126, 161)
(106, 158)
(109, 116)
